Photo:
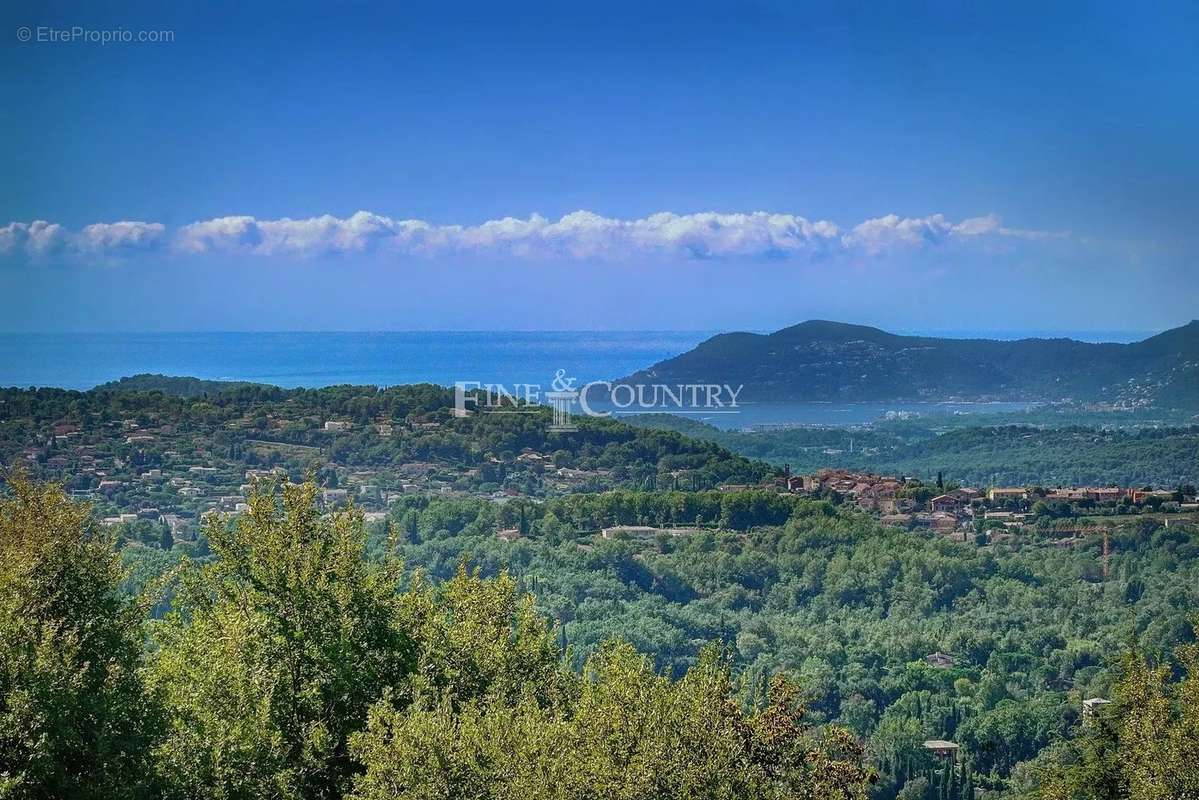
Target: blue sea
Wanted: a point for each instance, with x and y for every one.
(83, 360)
(293, 359)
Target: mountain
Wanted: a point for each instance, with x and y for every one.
(833, 361)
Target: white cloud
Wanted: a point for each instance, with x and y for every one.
(578, 235)
(300, 237)
(581, 234)
(886, 233)
(33, 239)
(223, 233)
(41, 238)
(109, 236)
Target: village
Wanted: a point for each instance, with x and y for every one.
(1001, 510)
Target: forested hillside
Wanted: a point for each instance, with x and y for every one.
(181, 453)
(172, 385)
(832, 361)
(978, 455)
(291, 666)
(899, 637)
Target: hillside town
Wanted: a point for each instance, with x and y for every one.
(162, 474)
(154, 467)
(135, 472)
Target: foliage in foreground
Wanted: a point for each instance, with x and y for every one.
(294, 668)
(1142, 747)
(74, 718)
(276, 650)
(622, 731)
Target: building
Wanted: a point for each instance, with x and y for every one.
(877, 495)
(334, 496)
(941, 748)
(644, 531)
(1098, 494)
(943, 521)
(998, 495)
(939, 660)
(337, 425)
(179, 525)
(945, 502)
(251, 474)
(1092, 707)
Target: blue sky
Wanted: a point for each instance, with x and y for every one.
(931, 167)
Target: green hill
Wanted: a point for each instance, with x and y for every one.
(832, 361)
(175, 386)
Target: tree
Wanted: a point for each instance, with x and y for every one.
(275, 652)
(480, 638)
(1160, 728)
(622, 731)
(1142, 747)
(74, 718)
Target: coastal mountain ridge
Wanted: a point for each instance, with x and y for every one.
(820, 360)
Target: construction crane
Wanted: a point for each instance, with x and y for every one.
(1089, 530)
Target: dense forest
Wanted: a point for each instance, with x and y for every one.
(291, 666)
(893, 637)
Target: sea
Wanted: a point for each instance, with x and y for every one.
(313, 359)
(309, 359)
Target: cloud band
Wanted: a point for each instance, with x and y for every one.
(578, 235)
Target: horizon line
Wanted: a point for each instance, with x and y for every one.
(944, 332)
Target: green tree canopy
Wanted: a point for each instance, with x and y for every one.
(275, 652)
(74, 719)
